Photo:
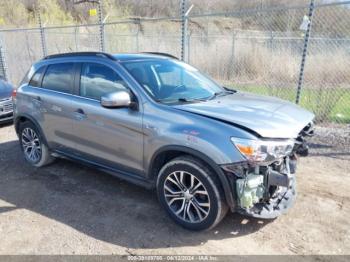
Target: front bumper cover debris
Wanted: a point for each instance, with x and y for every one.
(276, 206)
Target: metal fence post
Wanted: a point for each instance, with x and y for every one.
(183, 29)
(305, 48)
(102, 27)
(231, 66)
(185, 51)
(138, 23)
(76, 38)
(188, 50)
(3, 65)
(137, 41)
(42, 32)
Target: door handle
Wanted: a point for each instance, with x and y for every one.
(37, 101)
(80, 111)
(37, 98)
(79, 114)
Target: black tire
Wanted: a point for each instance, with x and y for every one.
(214, 198)
(44, 158)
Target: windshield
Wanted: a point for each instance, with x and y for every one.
(170, 81)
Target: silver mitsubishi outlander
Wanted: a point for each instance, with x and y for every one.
(158, 122)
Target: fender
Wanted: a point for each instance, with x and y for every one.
(31, 119)
(221, 175)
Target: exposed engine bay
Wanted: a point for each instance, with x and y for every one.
(268, 189)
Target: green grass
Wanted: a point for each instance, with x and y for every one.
(328, 105)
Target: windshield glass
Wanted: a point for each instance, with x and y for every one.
(171, 81)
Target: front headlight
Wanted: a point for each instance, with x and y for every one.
(263, 150)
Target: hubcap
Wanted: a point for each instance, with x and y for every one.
(31, 145)
(186, 196)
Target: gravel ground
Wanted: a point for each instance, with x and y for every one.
(70, 209)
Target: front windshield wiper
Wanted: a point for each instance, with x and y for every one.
(222, 93)
(186, 100)
(216, 94)
(181, 100)
(190, 100)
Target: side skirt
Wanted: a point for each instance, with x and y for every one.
(129, 177)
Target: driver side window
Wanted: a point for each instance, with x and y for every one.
(97, 80)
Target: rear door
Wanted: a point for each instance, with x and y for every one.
(55, 101)
(112, 137)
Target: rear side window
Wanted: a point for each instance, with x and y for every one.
(97, 80)
(59, 77)
(35, 81)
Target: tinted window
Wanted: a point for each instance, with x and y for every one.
(97, 80)
(35, 81)
(59, 77)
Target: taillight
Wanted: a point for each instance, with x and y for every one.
(14, 93)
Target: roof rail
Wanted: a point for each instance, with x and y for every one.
(101, 54)
(161, 54)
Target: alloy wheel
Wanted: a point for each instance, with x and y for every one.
(186, 196)
(31, 145)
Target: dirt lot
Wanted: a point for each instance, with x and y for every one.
(69, 209)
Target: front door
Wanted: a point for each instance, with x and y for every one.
(111, 137)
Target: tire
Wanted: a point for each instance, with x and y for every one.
(195, 201)
(30, 137)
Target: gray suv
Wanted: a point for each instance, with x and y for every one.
(158, 122)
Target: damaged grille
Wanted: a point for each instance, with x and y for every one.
(308, 130)
(301, 148)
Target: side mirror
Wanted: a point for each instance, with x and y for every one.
(116, 99)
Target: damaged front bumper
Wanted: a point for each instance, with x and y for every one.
(267, 189)
(272, 197)
(276, 205)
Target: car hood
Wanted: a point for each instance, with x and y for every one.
(267, 116)
(5, 90)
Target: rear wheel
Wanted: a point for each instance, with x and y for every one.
(190, 193)
(34, 149)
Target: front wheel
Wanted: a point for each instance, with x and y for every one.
(190, 193)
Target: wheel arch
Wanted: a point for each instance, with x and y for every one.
(166, 153)
(25, 117)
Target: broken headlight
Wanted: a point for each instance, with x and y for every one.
(263, 150)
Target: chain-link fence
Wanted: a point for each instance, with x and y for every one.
(326, 90)
(272, 51)
(261, 50)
